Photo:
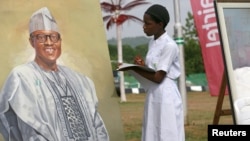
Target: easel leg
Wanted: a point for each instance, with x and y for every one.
(218, 110)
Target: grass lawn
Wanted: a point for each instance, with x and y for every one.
(200, 112)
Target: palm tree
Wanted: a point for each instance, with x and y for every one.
(117, 18)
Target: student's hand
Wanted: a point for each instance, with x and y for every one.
(139, 60)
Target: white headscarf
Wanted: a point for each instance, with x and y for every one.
(42, 20)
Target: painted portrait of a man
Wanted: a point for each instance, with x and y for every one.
(52, 85)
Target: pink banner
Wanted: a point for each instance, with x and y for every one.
(206, 25)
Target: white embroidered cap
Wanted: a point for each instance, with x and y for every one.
(42, 20)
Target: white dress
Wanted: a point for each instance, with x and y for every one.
(163, 111)
(38, 105)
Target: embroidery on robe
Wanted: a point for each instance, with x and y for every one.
(73, 121)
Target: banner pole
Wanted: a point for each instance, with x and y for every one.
(179, 41)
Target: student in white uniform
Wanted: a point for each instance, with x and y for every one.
(163, 111)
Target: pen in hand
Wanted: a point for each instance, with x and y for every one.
(139, 60)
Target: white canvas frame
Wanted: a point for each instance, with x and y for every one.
(232, 16)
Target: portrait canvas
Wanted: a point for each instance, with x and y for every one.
(84, 47)
(233, 18)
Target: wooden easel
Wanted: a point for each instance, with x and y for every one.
(218, 111)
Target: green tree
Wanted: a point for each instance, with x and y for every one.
(112, 52)
(141, 50)
(129, 53)
(193, 56)
(126, 49)
(113, 55)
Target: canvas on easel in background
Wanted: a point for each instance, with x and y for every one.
(233, 21)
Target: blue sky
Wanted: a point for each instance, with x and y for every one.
(133, 29)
